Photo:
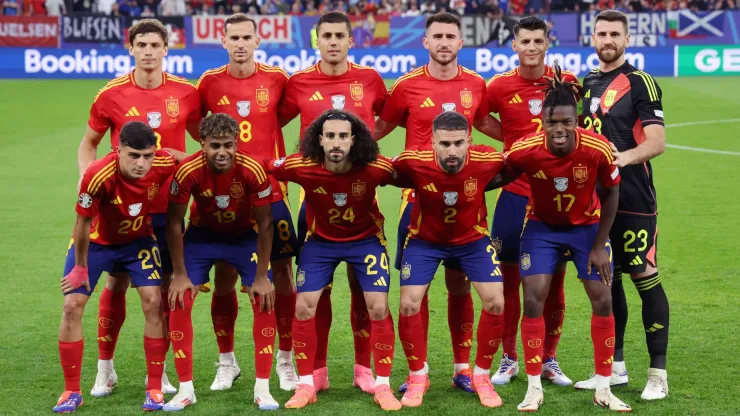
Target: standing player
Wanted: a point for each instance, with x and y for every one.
(250, 93)
(449, 181)
(624, 104)
(170, 106)
(517, 97)
(113, 232)
(564, 164)
(336, 83)
(340, 166)
(229, 189)
(415, 100)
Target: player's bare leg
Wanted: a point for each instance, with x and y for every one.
(111, 315)
(304, 342)
(224, 310)
(155, 345)
(383, 340)
(554, 314)
(411, 334)
(285, 297)
(488, 338)
(361, 334)
(71, 347)
(461, 320)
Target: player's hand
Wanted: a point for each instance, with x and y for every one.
(620, 159)
(599, 259)
(76, 278)
(179, 285)
(266, 292)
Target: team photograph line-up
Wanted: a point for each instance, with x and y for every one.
(564, 164)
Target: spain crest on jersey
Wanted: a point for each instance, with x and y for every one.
(236, 190)
(300, 278)
(526, 262)
(262, 96)
(152, 191)
(243, 107)
(356, 92)
(340, 199)
(450, 198)
(359, 188)
(134, 209)
(154, 119)
(405, 271)
(471, 187)
(466, 99)
(609, 98)
(498, 245)
(172, 107)
(580, 174)
(222, 201)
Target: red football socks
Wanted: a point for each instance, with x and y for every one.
(410, 331)
(488, 337)
(70, 356)
(461, 318)
(224, 311)
(155, 350)
(383, 340)
(284, 312)
(361, 328)
(166, 311)
(263, 333)
(181, 336)
(512, 307)
(533, 331)
(602, 337)
(304, 345)
(323, 325)
(424, 312)
(554, 314)
(111, 314)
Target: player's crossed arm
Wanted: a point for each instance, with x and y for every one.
(503, 178)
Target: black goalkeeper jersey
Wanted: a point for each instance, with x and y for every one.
(618, 104)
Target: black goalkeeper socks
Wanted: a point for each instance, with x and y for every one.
(655, 314)
(619, 308)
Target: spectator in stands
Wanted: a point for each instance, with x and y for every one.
(173, 8)
(413, 10)
(12, 7)
(552, 34)
(457, 6)
(310, 9)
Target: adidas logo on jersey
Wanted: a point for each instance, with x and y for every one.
(320, 190)
(427, 103)
(207, 193)
(132, 112)
(266, 350)
(224, 101)
(380, 282)
(637, 261)
(540, 175)
(516, 99)
(316, 97)
(116, 201)
(430, 188)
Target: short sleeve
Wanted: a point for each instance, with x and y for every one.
(277, 168)
(394, 110)
(608, 173)
(381, 94)
(99, 119)
(647, 98)
(491, 96)
(202, 87)
(482, 111)
(90, 195)
(260, 185)
(182, 185)
(195, 106)
(289, 104)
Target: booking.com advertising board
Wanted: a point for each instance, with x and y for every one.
(79, 63)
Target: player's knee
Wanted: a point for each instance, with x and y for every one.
(282, 276)
(533, 305)
(303, 310)
(409, 306)
(377, 310)
(494, 305)
(601, 303)
(151, 304)
(73, 308)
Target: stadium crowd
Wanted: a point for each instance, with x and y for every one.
(494, 8)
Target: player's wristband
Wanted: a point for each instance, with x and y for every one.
(78, 276)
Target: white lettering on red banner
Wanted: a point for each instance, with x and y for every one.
(208, 30)
(24, 31)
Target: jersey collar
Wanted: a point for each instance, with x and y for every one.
(429, 75)
(318, 69)
(133, 80)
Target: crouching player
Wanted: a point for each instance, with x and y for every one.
(340, 168)
(563, 165)
(113, 232)
(228, 188)
(449, 183)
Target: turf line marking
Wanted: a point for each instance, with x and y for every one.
(699, 149)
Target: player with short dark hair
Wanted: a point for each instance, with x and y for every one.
(564, 165)
(517, 98)
(415, 100)
(113, 233)
(231, 197)
(449, 180)
(340, 168)
(625, 105)
(170, 106)
(336, 83)
(250, 92)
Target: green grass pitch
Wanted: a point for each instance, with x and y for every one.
(43, 121)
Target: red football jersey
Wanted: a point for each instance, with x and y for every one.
(417, 98)
(120, 207)
(310, 92)
(564, 188)
(518, 102)
(167, 109)
(450, 209)
(339, 207)
(260, 133)
(221, 203)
